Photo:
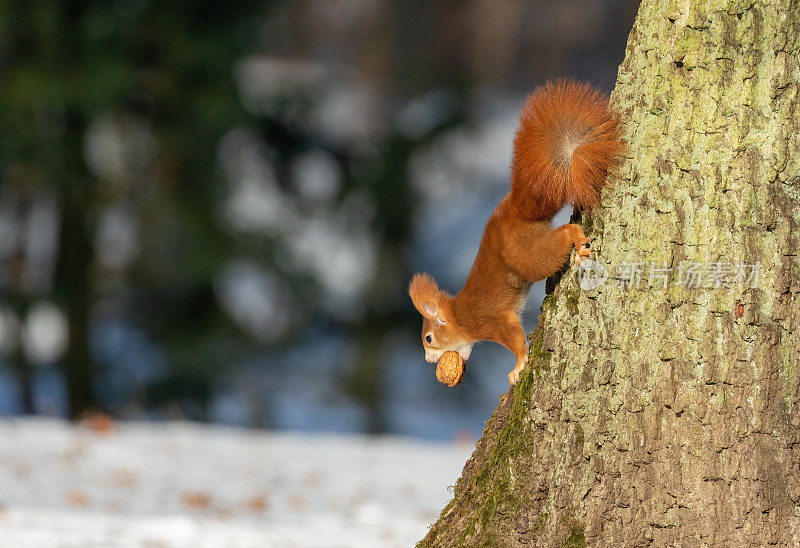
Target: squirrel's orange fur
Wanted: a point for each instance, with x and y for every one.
(566, 140)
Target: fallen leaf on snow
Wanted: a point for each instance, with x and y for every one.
(196, 500)
(76, 498)
(257, 504)
(99, 423)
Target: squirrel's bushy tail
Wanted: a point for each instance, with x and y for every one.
(566, 140)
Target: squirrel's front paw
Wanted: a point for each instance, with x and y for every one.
(513, 377)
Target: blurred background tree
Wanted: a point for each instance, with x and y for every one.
(112, 112)
(212, 210)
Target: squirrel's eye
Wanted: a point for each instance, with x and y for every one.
(428, 339)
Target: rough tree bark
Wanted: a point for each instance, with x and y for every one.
(668, 416)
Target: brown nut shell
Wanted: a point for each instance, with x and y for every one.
(450, 369)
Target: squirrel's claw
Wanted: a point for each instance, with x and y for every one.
(583, 253)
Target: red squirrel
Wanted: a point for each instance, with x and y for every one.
(566, 140)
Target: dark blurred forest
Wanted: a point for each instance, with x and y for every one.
(211, 210)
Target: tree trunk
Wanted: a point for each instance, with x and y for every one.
(668, 415)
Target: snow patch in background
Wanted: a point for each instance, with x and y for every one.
(181, 484)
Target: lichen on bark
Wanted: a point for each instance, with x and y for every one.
(668, 415)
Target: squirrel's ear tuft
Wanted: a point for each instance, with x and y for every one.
(424, 292)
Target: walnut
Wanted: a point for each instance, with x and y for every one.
(450, 369)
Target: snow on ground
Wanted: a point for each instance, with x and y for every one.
(183, 484)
